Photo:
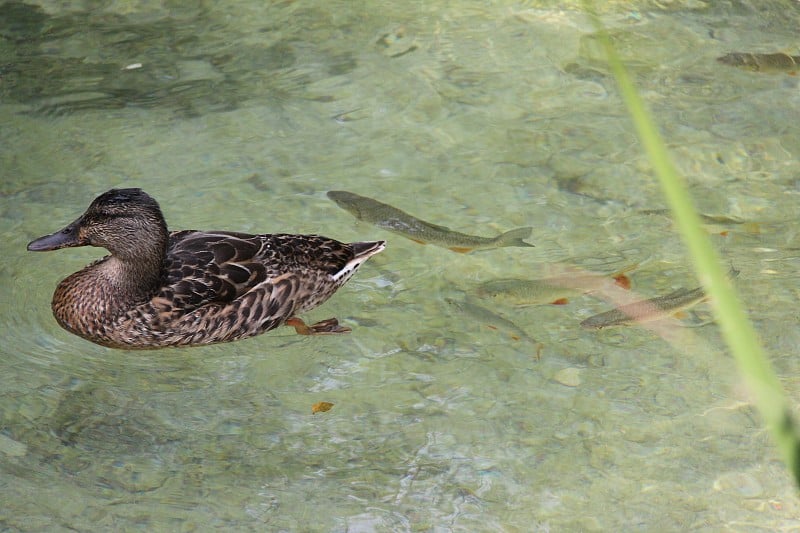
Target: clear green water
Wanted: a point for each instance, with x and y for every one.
(482, 118)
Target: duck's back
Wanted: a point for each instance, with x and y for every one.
(221, 286)
(221, 266)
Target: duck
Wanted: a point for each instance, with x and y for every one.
(159, 289)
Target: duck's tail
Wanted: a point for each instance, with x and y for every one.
(361, 252)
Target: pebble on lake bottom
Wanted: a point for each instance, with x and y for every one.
(11, 447)
(570, 376)
(739, 483)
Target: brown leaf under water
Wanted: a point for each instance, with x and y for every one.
(321, 407)
(621, 280)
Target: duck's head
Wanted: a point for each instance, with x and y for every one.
(126, 222)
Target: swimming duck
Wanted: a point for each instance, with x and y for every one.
(184, 288)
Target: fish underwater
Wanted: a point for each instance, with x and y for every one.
(555, 290)
(776, 62)
(647, 310)
(652, 308)
(392, 219)
(522, 292)
(490, 319)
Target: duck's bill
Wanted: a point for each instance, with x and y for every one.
(65, 238)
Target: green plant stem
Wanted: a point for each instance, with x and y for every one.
(737, 330)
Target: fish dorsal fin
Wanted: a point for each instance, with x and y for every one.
(437, 227)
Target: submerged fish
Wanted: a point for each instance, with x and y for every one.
(647, 310)
(392, 219)
(555, 290)
(522, 292)
(709, 219)
(491, 319)
(761, 62)
(552, 290)
(651, 309)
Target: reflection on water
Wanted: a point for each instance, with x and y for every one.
(181, 63)
(449, 412)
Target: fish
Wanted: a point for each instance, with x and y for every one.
(709, 219)
(775, 62)
(392, 219)
(647, 310)
(652, 308)
(490, 319)
(523, 292)
(553, 290)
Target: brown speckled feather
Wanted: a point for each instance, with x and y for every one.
(207, 287)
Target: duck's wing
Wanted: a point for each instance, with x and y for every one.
(210, 267)
(222, 267)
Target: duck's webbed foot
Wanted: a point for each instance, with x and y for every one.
(324, 327)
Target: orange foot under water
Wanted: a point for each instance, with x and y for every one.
(324, 327)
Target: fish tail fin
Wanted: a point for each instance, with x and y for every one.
(514, 237)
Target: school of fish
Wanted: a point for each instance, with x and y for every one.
(512, 291)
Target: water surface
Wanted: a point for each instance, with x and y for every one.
(481, 118)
